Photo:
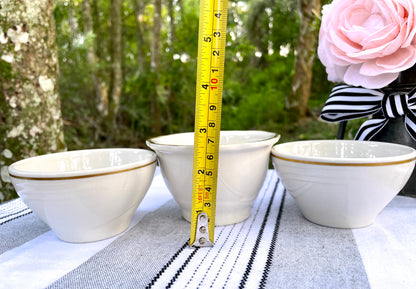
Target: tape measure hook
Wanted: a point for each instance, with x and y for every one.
(202, 232)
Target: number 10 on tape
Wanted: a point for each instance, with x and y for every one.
(210, 78)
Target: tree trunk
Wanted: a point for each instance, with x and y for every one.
(179, 3)
(154, 67)
(139, 35)
(99, 43)
(30, 109)
(297, 101)
(116, 57)
(171, 41)
(171, 13)
(101, 99)
(72, 22)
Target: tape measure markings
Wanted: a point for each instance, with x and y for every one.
(210, 77)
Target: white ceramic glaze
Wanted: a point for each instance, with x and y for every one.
(85, 195)
(343, 183)
(243, 162)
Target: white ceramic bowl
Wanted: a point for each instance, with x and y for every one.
(343, 183)
(242, 166)
(85, 195)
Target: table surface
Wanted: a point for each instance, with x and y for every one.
(275, 248)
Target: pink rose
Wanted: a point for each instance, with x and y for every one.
(367, 42)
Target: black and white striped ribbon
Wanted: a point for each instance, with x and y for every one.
(348, 102)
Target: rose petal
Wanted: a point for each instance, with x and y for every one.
(382, 50)
(322, 52)
(399, 61)
(396, 43)
(388, 9)
(367, 42)
(353, 77)
(340, 58)
(411, 22)
(387, 34)
(352, 28)
(339, 72)
(402, 60)
(343, 43)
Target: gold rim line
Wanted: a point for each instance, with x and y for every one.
(346, 164)
(79, 177)
(276, 135)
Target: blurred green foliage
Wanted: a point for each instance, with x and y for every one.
(261, 37)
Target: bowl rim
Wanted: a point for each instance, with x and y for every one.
(331, 161)
(89, 173)
(271, 136)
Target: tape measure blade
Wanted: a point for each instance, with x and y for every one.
(209, 87)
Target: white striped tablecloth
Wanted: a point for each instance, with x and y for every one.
(274, 248)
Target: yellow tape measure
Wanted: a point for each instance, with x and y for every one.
(210, 78)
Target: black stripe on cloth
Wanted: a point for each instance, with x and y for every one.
(256, 245)
(13, 214)
(241, 248)
(210, 266)
(140, 257)
(226, 239)
(272, 244)
(18, 225)
(17, 216)
(228, 254)
(224, 243)
(182, 268)
(134, 258)
(13, 210)
(167, 265)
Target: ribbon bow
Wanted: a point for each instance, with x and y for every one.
(348, 102)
